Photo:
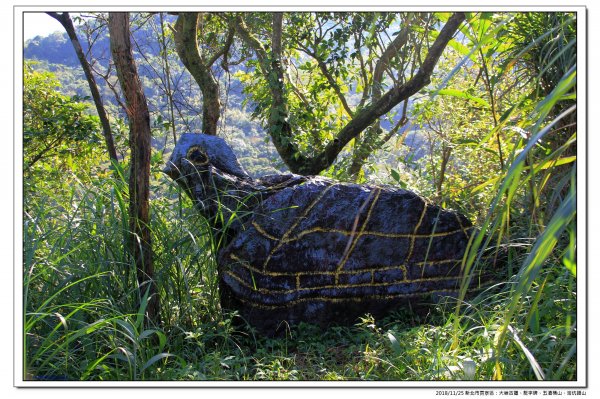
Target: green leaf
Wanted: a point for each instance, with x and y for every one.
(129, 329)
(141, 314)
(555, 162)
(462, 49)
(465, 95)
(570, 259)
(394, 342)
(155, 359)
(537, 369)
(162, 338)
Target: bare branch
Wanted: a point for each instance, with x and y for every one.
(67, 23)
(223, 51)
(382, 64)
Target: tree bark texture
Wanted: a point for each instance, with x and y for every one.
(278, 118)
(186, 44)
(67, 23)
(272, 70)
(139, 139)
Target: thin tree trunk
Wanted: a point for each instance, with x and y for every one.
(139, 139)
(370, 141)
(278, 118)
(186, 44)
(65, 21)
(163, 42)
(446, 152)
(363, 151)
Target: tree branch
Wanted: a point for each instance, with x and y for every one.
(363, 70)
(279, 127)
(333, 85)
(370, 141)
(325, 71)
(223, 50)
(65, 20)
(392, 49)
(391, 98)
(261, 53)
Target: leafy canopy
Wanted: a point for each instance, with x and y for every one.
(55, 127)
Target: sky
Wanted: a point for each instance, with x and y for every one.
(39, 24)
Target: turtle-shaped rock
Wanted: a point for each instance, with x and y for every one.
(311, 249)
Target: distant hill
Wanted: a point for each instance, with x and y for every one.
(54, 49)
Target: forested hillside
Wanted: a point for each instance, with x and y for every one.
(55, 53)
(474, 112)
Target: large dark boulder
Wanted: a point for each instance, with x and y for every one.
(312, 249)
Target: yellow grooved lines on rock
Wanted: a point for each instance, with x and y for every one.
(293, 226)
(285, 238)
(462, 227)
(245, 264)
(263, 232)
(355, 237)
(303, 233)
(413, 236)
(297, 276)
(281, 185)
(336, 286)
(362, 298)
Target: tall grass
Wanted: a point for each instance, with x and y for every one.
(83, 312)
(536, 199)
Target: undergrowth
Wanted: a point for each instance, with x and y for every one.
(81, 320)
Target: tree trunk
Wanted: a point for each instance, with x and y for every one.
(446, 152)
(271, 68)
(65, 21)
(279, 127)
(167, 69)
(139, 139)
(186, 44)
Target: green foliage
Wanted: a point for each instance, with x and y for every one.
(77, 285)
(515, 212)
(80, 300)
(56, 128)
(470, 92)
